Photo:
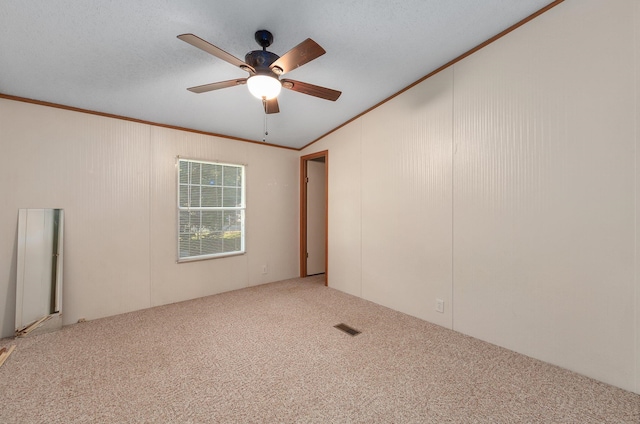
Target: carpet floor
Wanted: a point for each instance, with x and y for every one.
(271, 354)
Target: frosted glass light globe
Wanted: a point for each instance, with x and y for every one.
(264, 86)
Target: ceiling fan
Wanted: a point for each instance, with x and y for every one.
(265, 69)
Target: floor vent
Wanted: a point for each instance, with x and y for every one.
(347, 329)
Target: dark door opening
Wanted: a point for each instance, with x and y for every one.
(313, 214)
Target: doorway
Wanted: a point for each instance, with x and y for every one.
(314, 189)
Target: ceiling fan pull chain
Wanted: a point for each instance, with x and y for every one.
(266, 132)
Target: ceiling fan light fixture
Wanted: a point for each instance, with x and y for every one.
(264, 86)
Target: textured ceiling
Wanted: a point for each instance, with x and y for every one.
(122, 57)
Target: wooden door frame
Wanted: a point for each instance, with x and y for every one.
(303, 212)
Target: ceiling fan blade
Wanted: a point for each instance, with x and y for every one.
(271, 106)
(303, 53)
(216, 51)
(312, 90)
(217, 85)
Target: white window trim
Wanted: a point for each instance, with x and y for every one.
(179, 208)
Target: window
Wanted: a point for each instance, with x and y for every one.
(210, 210)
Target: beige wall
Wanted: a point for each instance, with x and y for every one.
(636, 17)
(506, 186)
(116, 182)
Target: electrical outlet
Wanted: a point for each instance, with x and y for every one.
(265, 269)
(440, 306)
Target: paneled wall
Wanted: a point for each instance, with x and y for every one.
(506, 186)
(636, 15)
(544, 200)
(116, 181)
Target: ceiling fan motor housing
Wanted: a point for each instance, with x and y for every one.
(260, 60)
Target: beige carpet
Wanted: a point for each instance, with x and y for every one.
(270, 354)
